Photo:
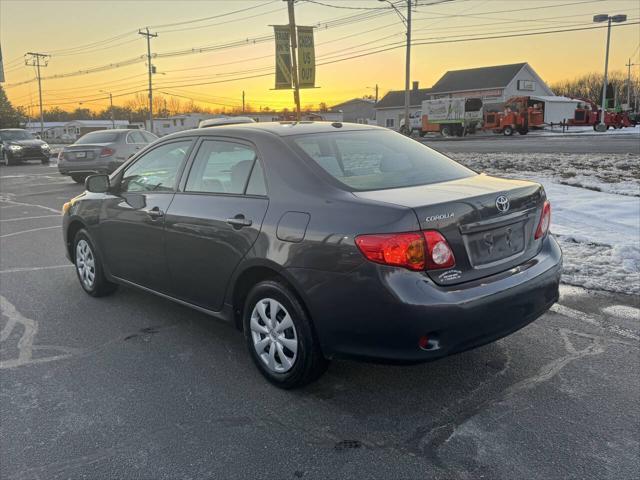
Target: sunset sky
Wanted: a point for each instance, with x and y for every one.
(74, 33)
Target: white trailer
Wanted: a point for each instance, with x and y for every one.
(452, 116)
(556, 109)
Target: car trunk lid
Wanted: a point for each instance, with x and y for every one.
(81, 152)
(488, 222)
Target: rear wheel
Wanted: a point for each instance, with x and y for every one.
(78, 178)
(280, 337)
(89, 267)
(445, 131)
(523, 131)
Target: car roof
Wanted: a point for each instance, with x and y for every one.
(281, 129)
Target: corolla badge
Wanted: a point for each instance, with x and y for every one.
(502, 203)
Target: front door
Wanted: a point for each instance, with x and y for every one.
(215, 220)
(132, 220)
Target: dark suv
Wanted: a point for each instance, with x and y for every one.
(320, 240)
(18, 145)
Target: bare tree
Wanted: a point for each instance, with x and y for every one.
(589, 86)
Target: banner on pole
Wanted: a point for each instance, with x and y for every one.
(306, 58)
(283, 56)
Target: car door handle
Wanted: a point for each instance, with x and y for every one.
(239, 221)
(155, 213)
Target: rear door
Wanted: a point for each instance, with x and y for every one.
(132, 220)
(214, 219)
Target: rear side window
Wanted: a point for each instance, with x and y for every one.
(378, 159)
(221, 167)
(135, 137)
(149, 137)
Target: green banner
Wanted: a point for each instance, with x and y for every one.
(283, 56)
(306, 58)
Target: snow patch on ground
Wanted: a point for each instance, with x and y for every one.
(595, 203)
(611, 173)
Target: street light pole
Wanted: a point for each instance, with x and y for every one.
(599, 19)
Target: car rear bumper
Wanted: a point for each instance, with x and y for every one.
(380, 313)
(66, 167)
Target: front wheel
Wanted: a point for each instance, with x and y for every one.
(508, 131)
(280, 337)
(89, 267)
(78, 178)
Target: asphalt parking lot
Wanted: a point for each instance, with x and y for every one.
(134, 386)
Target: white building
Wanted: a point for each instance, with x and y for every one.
(177, 123)
(70, 131)
(494, 85)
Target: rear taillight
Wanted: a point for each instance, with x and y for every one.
(439, 254)
(414, 250)
(107, 152)
(545, 220)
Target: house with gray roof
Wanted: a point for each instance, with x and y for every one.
(493, 84)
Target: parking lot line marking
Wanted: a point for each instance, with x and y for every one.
(34, 269)
(27, 218)
(25, 344)
(22, 204)
(28, 231)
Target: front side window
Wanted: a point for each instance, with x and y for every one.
(375, 159)
(157, 170)
(221, 167)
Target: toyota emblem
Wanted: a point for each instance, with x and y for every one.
(502, 203)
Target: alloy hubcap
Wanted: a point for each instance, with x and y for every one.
(274, 335)
(85, 263)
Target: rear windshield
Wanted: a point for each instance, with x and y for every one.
(378, 159)
(99, 137)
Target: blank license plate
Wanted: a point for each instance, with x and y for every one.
(81, 154)
(497, 244)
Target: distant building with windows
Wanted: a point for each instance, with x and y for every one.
(357, 110)
(70, 131)
(494, 85)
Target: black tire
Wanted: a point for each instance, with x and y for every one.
(45, 161)
(507, 131)
(523, 131)
(100, 286)
(78, 178)
(445, 131)
(308, 363)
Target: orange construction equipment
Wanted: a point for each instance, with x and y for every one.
(588, 113)
(519, 115)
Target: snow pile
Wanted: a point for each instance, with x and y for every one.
(612, 173)
(583, 131)
(599, 232)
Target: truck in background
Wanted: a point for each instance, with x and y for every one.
(455, 116)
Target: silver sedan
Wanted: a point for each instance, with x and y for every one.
(101, 151)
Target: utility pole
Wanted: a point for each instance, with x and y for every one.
(243, 101)
(294, 59)
(38, 60)
(407, 22)
(113, 122)
(147, 34)
(376, 93)
(407, 80)
(629, 65)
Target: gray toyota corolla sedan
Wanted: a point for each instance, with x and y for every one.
(320, 240)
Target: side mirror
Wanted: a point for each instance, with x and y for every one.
(97, 183)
